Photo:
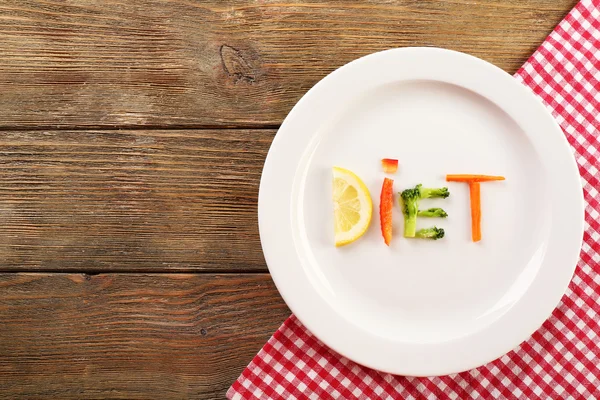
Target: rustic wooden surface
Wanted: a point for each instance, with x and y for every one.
(131, 336)
(132, 137)
(192, 63)
(135, 200)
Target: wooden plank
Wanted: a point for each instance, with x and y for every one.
(131, 336)
(185, 63)
(177, 200)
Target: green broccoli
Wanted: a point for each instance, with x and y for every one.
(426, 193)
(410, 208)
(432, 212)
(430, 233)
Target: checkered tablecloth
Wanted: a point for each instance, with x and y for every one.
(560, 360)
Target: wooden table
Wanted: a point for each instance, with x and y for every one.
(132, 138)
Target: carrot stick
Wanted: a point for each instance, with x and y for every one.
(475, 194)
(472, 178)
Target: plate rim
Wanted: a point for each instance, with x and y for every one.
(278, 261)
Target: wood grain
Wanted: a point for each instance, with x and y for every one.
(193, 63)
(137, 200)
(131, 336)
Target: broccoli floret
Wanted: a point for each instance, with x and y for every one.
(430, 233)
(432, 212)
(410, 208)
(427, 193)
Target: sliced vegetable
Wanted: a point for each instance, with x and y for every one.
(390, 166)
(429, 193)
(475, 194)
(472, 178)
(432, 212)
(430, 233)
(474, 182)
(386, 204)
(410, 208)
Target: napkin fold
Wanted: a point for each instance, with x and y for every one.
(561, 359)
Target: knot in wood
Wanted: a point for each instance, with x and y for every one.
(236, 66)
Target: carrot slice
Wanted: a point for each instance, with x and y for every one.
(389, 165)
(475, 194)
(473, 178)
(386, 205)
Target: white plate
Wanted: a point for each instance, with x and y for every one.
(423, 307)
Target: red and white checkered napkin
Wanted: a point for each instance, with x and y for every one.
(561, 359)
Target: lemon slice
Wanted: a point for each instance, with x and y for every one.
(352, 206)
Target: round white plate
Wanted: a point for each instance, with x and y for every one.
(423, 307)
